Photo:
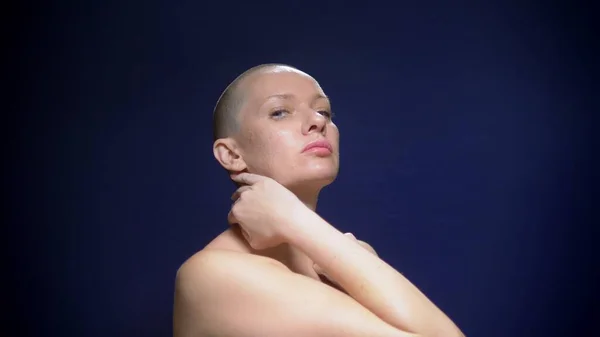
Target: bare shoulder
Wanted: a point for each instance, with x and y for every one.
(221, 274)
(216, 261)
(227, 293)
(216, 288)
(224, 256)
(231, 239)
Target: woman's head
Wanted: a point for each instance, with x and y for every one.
(265, 120)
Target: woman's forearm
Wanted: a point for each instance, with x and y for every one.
(368, 279)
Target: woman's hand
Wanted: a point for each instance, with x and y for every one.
(363, 244)
(264, 209)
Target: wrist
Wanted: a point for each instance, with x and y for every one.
(296, 223)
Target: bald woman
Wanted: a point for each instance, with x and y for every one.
(280, 269)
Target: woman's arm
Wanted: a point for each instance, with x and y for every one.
(269, 214)
(222, 293)
(368, 279)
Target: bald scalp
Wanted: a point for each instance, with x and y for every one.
(226, 112)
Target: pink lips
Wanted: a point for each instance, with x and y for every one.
(321, 146)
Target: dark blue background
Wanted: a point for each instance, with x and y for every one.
(466, 153)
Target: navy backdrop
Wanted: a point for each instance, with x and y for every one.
(466, 153)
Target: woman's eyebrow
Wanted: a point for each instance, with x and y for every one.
(291, 96)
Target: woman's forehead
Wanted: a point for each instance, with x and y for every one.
(262, 86)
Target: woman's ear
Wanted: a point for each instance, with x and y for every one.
(228, 155)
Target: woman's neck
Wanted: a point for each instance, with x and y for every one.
(292, 257)
(308, 196)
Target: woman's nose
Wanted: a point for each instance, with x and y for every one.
(316, 122)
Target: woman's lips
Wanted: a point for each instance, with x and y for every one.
(320, 147)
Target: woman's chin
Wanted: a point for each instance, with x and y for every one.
(313, 181)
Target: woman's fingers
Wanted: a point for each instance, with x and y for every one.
(350, 235)
(247, 178)
(362, 243)
(236, 195)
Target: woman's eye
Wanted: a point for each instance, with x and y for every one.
(279, 113)
(326, 113)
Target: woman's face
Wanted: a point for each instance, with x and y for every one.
(284, 111)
